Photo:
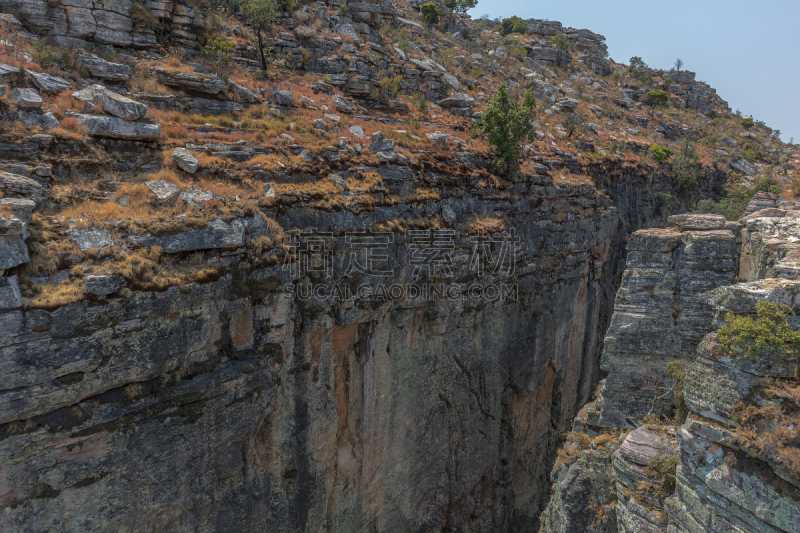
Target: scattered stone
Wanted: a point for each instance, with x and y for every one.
(116, 128)
(26, 98)
(103, 284)
(387, 156)
(48, 82)
(185, 160)
(163, 190)
(338, 180)
(20, 185)
(269, 191)
(91, 238)
(438, 137)
(343, 105)
(100, 68)
(447, 214)
(347, 30)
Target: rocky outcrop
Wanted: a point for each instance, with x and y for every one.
(658, 315)
(13, 250)
(116, 128)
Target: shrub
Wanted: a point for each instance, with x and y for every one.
(660, 153)
(768, 334)
(685, 167)
(663, 469)
(513, 25)
(508, 122)
(657, 98)
(420, 102)
(561, 41)
(389, 85)
(429, 13)
(42, 54)
(748, 122)
(730, 208)
(517, 51)
(261, 14)
(663, 199)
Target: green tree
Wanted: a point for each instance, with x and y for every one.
(748, 122)
(261, 14)
(561, 41)
(429, 13)
(638, 62)
(685, 167)
(657, 98)
(769, 334)
(460, 6)
(508, 122)
(513, 25)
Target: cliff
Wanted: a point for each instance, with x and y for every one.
(295, 292)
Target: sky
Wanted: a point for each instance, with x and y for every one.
(748, 50)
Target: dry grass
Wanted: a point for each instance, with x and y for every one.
(773, 429)
(54, 296)
(486, 224)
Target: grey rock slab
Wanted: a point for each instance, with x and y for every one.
(697, 222)
(13, 250)
(48, 82)
(21, 208)
(10, 297)
(190, 81)
(356, 131)
(457, 100)
(91, 238)
(195, 196)
(103, 284)
(116, 128)
(26, 98)
(216, 234)
(112, 103)
(46, 121)
(100, 68)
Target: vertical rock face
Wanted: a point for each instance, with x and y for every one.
(228, 407)
(658, 317)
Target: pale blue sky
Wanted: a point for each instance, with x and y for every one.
(748, 50)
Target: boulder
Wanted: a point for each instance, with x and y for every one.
(356, 132)
(378, 143)
(343, 105)
(567, 103)
(347, 31)
(745, 166)
(46, 121)
(91, 238)
(190, 81)
(116, 128)
(112, 103)
(162, 190)
(697, 222)
(10, 297)
(103, 284)
(283, 97)
(185, 160)
(26, 98)
(457, 100)
(217, 234)
(13, 251)
(243, 92)
(100, 68)
(48, 82)
(322, 87)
